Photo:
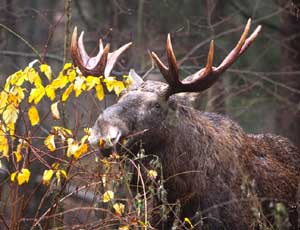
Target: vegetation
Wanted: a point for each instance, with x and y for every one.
(20, 99)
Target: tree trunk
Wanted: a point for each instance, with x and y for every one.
(288, 116)
(216, 94)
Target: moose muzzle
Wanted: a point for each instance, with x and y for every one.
(106, 143)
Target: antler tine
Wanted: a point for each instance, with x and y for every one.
(234, 54)
(81, 48)
(250, 39)
(162, 67)
(173, 67)
(113, 57)
(101, 64)
(100, 67)
(100, 45)
(202, 79)
(203, 73)
(210, 59)
(74, 49)
(171, 73)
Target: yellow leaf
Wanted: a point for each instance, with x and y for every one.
(80, 151)
(13, 99)
(2, 128)
(108, 196)
(119, 208)
(54, 111)
(72, 147)
(36, 94)
(91, 82)
(187, 220)
(87, 131)
(3, 100)
(99, 92)
(6, 86)
(32, 76)
(62, 132)
(18, 93)
(50, 92)
(112, 84)
(79, 85)
(13, 176)
(63, 172)
(46, 69)
(152, 174)
(15, 79)
(58, 175)
(18, 154)
(55, 165)
(101, 142)
(109, 81)
(10, 115)
(124, 227)
(4, 147)
(67, 92)
(60, 82)
(49, 142)
(127, 80)
(84, 138)
(23, 143)
(11, 127)
(67, 66)
(33, 115)
(47, 176)
(143, 224)
(118, 87)
(106, 163)
(71, 75)
(23, 176)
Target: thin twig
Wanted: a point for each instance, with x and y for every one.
(151, 68)
(50, 36)
(4, 222)
(67, 28)
(31, 55)
(22, 39)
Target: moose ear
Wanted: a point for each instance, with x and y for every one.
(136, 80)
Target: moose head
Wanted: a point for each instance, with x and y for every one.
(145, 109)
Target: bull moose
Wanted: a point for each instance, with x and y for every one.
(215, 167)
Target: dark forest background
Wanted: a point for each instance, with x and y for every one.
(261, 91)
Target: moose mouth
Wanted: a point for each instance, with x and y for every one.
(120, 143)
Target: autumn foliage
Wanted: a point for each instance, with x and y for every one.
(19, 100)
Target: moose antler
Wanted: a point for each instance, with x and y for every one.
(101, 64)
(207, 76)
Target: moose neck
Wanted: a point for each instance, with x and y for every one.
(190, 140)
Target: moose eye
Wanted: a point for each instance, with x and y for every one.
(157, 105)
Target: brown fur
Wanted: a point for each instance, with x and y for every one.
(227, 159)
(216, 170)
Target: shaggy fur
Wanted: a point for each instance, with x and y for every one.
(220, 174)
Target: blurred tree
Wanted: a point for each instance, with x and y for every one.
(289, 113)
(216, 100)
